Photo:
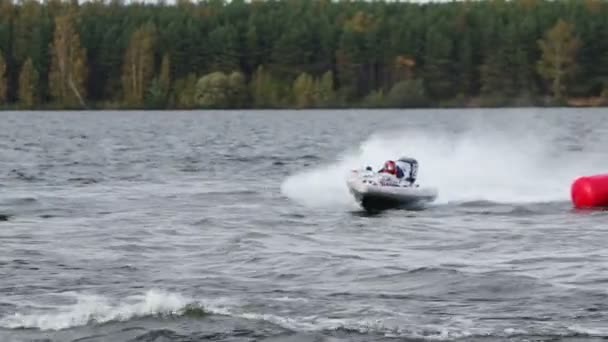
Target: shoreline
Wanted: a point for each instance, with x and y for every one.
(590, 102)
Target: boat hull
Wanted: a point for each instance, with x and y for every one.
(374, 194)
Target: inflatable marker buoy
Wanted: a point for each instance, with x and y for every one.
(590, 191)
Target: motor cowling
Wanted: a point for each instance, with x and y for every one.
(590, 191)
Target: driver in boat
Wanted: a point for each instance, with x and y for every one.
(398, 171)
(392, 168)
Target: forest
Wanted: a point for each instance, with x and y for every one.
(302, 54)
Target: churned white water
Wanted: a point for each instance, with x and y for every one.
(496, 163)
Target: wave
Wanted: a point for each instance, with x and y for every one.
(97, 309)
(91, 309)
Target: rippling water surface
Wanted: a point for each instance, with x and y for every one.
(237, 226)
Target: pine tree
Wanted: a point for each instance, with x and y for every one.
(3, 80)
(438, 73)
(28, 81)
(183, 92)
(157, 94)
(237, 89)
(325, 94)
(165, 74)
(303, 91)
(558, 61)
(68, 75)
(30, 37)
(138, 65)
(264, 89)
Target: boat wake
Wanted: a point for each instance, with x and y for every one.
(476, 166)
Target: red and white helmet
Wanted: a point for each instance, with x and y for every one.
(390, 167)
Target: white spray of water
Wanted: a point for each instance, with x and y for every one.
(483, 165)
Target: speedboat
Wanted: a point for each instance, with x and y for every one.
(381, 191)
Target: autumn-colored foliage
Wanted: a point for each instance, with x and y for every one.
(301, 53)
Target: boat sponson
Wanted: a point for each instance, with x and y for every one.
(383, 197)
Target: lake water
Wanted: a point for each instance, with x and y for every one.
(238, 226)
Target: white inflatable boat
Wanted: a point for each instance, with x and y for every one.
(380, 191)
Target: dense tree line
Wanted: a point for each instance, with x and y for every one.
(301, 53)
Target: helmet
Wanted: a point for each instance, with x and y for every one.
(389, 166)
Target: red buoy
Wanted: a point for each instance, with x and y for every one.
(590, 191)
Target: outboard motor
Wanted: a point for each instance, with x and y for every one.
(413, 168)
